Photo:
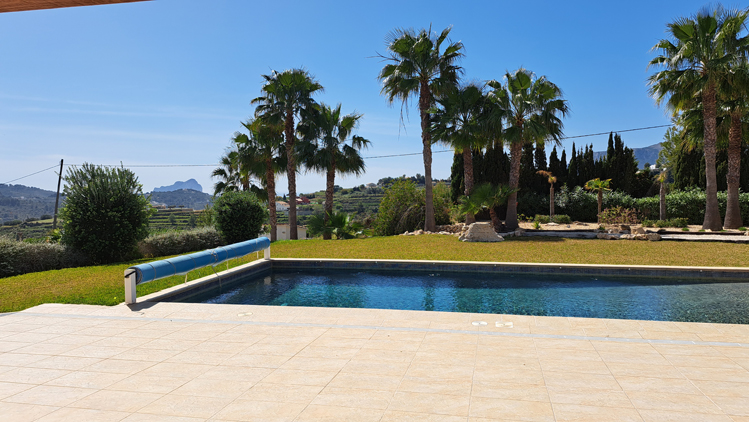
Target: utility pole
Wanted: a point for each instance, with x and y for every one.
(57, 200)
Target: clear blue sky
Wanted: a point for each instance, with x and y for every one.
(168, 81)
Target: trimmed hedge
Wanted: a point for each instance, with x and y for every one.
(22, 257)
(179, 242)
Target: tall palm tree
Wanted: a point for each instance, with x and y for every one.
(330, 146)
(599, 186)
(533, 108)
(551, 179)
(288, 95)
(264, 143)
(459, 123)
(736, 101)
(696, 59)
(662, 179)
(417, 68)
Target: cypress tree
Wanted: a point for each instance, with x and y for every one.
(572, 172)
(527, 170)
(562, 177)
(457, 186)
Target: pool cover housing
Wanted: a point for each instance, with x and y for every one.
(183, 264)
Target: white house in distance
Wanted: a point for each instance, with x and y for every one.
(282, 206)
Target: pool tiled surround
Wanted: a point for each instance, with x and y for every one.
(198, 362)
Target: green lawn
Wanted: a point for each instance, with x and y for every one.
(103, 285)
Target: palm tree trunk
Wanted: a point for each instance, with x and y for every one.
(551, 201)
(291, 172)
(516, 150)
(663, 200)
(425, 102)
(712, 214)
(270, 186)
(329, 190)
(600, 203)
(468, 179)
(495, 219)
(733, 211)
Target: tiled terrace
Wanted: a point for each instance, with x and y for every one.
(194, 362)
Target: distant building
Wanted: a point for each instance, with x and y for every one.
(371, 185)
(302, 200)
(282, 232)
(282, 206)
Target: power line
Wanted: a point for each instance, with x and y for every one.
(29, 175)
(367, 158)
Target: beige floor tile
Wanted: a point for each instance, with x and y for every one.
(674, 402)
(20, 359)
(400, 416)
(582, 366)
(510, 375)
(207, 358)
(11, 346)
(399, 335)
(657, 385)
(317, 364)
(709, 374)
(299, 377)
(120, 401)
(405, 346)
(48, 349)
(510, 391)
(732, 405)
(90, 351)
(703, 361)
(173, 405)
(185, 370)
(444, 358)
(589, 397)
(461, 373)
(147, 355)
(85, 379)
(70, 363)
(32, 375)
(256, 361)
(644, 370)
(348, 343)
(18, 412)
(120, 366)
(327, 352)
(48, 395)
(28, 337)
(723, 388)
(339, 414)
(690, 350)
(68, 414)
(208, 387)
(374, 367)
(275, 349)
(282, 393)
(237, 373)
(170, 344)
(145, 417)
(219, 347)
(562, 380)
(384, 355)
(149, 384)
(244, 410)
(573, 412)
(356, 398)
(119, 341)
(8, 389)
(436, 386)
(563, 344)
(670, 416)
(444, 404)
(365, 381)
(520, 410)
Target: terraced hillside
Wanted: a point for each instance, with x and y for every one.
(175, 218)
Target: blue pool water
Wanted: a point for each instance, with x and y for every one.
(526, 294)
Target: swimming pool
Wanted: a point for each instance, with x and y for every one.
(543, 294)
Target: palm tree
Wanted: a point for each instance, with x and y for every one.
(696, 59)
(551, 179)
(662, 179)
(331, 147)
(286, 96)
(264, 143)
(227, 173)
(736, 100)
(533, 109)
(460, 123)
(417, 68)
(599, 186)
(488, 196)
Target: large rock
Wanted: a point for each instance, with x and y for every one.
(653, 236)
(607, 236)
(639, 230)
(481, 232)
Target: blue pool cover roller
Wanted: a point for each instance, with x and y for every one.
(185, 263)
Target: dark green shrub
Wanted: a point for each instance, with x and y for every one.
(562, 219)
(619, 215)
(12, 223)
(179, 242)
(21, 257)
(105, 213)
(579, 204)
(648, 223)
(673, 222)
(30, 219)
(402, 208)
(46, 217)
(532, 203)
(239, 216)
(689, 204)
(649, 207)
(542, 219)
